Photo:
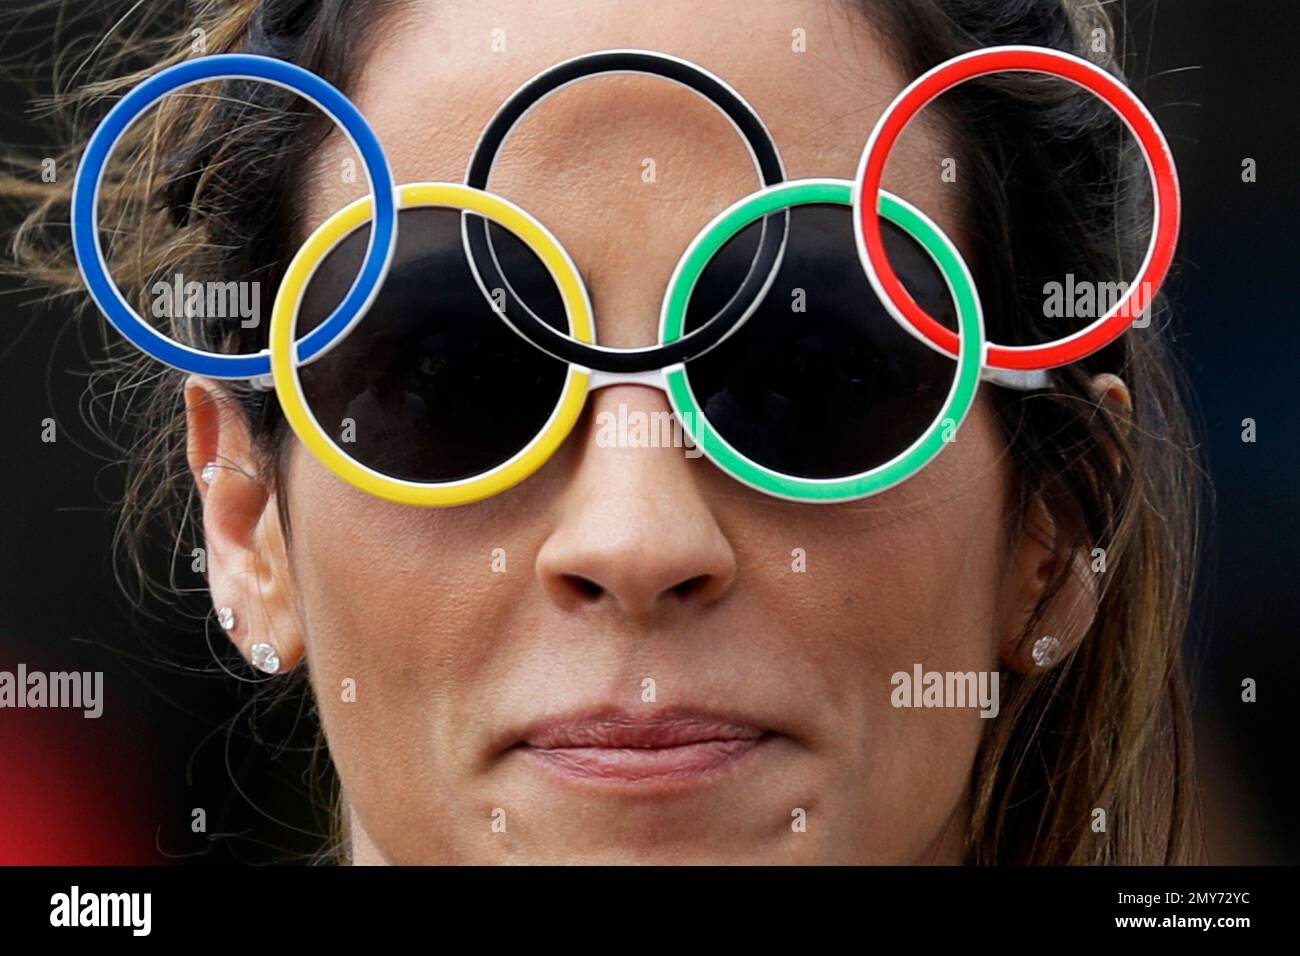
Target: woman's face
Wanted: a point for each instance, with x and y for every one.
(624, 658)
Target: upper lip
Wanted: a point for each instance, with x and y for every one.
(622, 729)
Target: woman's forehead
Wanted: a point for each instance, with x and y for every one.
(815, 71)
(626, 170)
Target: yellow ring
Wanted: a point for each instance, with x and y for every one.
(288, 387)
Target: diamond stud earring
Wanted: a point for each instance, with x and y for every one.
(265, 659)
(209, 473)
(226, 618)
(1045, 651)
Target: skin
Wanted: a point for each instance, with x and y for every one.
(450, 659)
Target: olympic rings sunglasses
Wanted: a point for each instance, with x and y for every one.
(446, 399)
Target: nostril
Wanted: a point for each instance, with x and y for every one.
(691, 586)
(585, 586)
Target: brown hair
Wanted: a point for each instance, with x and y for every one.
(1062, 188)
(204, 185)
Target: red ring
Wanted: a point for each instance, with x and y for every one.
(1160, 164)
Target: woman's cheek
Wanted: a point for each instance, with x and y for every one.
(902, 582)
(386, 606)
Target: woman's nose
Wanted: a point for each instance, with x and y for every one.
(635, 532)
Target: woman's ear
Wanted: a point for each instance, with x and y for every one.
(1044, 552)
(1047, 550)
(246, 551)
(1113, 398)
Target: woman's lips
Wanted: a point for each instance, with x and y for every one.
(622, 747)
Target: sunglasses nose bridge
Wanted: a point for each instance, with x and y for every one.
(656, 378)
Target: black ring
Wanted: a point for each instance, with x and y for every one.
(478, 240)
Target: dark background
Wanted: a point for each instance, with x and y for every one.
(177, 735)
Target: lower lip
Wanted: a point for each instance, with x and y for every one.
(640, 765)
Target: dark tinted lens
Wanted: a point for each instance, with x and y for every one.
(432, 385)
(821, 382)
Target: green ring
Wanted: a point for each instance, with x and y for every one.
(970, 325)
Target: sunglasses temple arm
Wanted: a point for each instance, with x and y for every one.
(1021, 381)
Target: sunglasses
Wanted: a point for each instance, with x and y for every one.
(816, 395)
(820, 340)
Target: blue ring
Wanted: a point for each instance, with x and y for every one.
(85, 207)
